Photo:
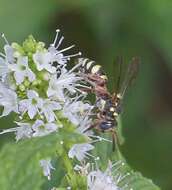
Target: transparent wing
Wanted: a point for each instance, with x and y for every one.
(130, 76)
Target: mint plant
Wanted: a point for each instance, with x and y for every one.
(52, 115)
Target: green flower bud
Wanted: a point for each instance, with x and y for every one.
(26, 83)
(22, 87)
(40, 46)
(29, 45)
(34, 83)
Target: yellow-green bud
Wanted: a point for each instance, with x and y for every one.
(40, 46)
(26, 83)
(29, 45)
(35, 82)
(22, 87)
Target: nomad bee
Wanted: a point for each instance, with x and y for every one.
(108, 105)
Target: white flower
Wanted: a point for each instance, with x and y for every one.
(22, 70)
(80, 151)
(9, 53)
(26, 130)
(44, 60)
(23, 131)
(57, 55)
(84, 124)
(57, 86)
(3, 68)
(41, 129)
(32, 104)
(5, 60)
(109, 179)
(75, 110)
(48, 109)
(8, 99)
(55, 91)
(47, 167)
(101, 181)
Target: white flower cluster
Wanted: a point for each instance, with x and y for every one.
(103, 180)
(36, 85)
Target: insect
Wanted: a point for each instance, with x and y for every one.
(95, 76)
(93, 71)
(108, 105)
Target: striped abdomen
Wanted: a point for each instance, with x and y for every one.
(91, 67)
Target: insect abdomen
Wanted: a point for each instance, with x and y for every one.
(91, 67)
(107, 125)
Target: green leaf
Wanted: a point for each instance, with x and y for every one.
(134, 180)
(19, 164)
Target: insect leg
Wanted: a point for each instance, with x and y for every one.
(114, 140)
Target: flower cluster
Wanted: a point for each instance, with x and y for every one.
(103, 180)
(36, 84)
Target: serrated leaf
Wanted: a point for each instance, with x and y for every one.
(19, 166)
(131, 179)
(135, 181)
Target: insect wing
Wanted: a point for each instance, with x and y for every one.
(130, 75)
(118, 67)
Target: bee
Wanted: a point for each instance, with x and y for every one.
(109, 106)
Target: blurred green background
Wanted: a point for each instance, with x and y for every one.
(102, 30)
